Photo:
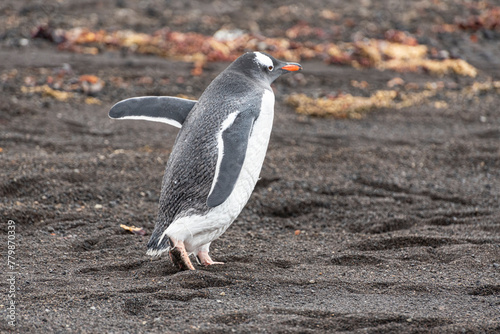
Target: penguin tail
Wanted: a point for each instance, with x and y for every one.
(158, 244)
(157, 252)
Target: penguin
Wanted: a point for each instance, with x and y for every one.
(217, 155)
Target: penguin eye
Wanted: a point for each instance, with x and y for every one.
(270, 68)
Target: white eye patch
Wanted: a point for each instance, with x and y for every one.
(263, 60)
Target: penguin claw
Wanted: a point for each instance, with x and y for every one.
(180, 257)
(205, 260)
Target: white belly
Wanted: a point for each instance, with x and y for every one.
(198, 230)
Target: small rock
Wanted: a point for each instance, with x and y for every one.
(224, 35)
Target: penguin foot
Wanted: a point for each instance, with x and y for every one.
(205, 259)
(180, 257)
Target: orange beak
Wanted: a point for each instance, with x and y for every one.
(292, 67)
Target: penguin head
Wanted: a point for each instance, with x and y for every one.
(263, 67)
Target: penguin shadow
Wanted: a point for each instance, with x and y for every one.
(203, 277)
(199, 279)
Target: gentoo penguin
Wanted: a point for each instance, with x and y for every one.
(217, 155)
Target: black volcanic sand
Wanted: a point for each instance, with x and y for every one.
(385, 224)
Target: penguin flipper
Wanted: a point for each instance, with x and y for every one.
(164, 109)
(233, 142)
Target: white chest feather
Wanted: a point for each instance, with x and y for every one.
(256, 152)
(198, 230)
